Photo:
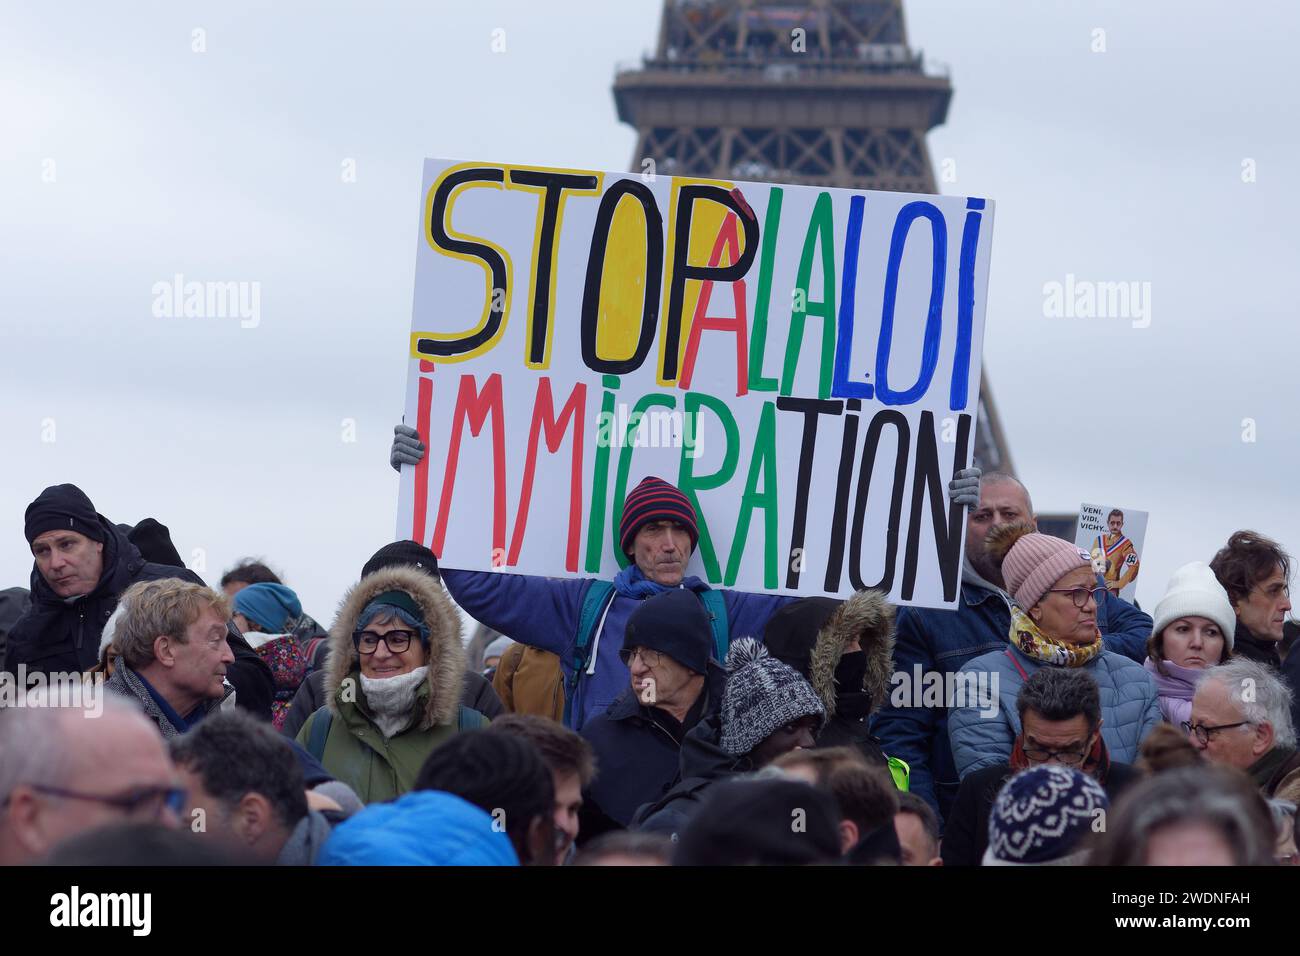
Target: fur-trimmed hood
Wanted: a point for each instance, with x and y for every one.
(810, 635)
(446, 653)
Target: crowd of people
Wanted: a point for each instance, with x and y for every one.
(644, 720)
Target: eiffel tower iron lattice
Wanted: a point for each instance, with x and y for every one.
(808, 92)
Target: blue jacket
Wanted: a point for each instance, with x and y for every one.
(1129, 708)
(543, 612)
(422, 828)
(941, 642)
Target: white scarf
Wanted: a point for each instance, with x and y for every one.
(392, 699)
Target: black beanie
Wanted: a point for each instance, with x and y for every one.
(674, 623)
(155, 543)
(403, 552)
(62, 508)
(792, 632)
(753, 823)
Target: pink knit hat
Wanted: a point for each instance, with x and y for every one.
(1034, 562)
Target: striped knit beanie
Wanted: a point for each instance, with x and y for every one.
(655, 500)
(1041, 815)
(1033, 562)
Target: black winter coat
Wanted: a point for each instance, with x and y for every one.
(638, 756)
(703, 764)
(57, 636)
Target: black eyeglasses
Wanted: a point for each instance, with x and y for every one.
(1203, 732)
(1071, 758)
(367, 642)
(1078, 595)
(146, 801)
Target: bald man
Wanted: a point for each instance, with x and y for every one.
(67, 770)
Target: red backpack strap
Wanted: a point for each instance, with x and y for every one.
(1016, 664)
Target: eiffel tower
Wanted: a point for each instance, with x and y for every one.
(810, 92)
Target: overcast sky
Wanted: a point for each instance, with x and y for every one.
(127, 158)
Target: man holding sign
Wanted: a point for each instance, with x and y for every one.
(582, 620)
(801, 364)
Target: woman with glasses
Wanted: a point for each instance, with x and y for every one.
(393, 684)
(1053, 624)
(1194, 624)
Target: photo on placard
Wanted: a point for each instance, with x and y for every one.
(1114, 537)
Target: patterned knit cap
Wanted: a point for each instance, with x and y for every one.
(655, 500)
(762, 695)
(1041, 814)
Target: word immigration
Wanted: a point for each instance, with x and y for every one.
(828, 341)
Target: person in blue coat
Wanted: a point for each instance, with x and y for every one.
(423, 828)
(1053, 624)
(939, 642)
(658, 533)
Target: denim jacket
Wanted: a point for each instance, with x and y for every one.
(942, 642)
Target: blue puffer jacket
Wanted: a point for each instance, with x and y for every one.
(543, 612)
(1129, 708)
(941, 642)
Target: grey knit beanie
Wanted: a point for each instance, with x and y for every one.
(762, 695)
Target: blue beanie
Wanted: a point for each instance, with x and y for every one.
(267, 605)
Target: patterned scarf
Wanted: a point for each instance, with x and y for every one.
(1038, 646)
(1095, 765)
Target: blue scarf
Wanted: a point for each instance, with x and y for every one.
(630, 582)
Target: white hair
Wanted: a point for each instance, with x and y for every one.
(1260, 694)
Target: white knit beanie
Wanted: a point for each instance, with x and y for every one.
(1194, 591)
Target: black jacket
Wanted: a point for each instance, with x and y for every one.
(14, 603)
(479, 695)
(1247, 645)
(703, 763)
(638, 749)
(966, 836)
(57, 636)
(812, 636)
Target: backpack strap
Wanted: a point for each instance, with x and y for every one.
(716, 605)
(470, 719)
(1016, 664)
(320, 729)
(594, 602)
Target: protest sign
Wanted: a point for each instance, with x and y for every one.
(802, 362)
(1113, 536)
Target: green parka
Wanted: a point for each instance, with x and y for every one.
(355, 751)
